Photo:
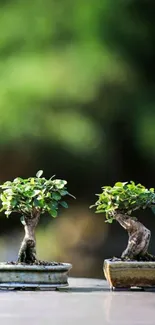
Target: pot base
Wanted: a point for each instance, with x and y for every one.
(34, 276)
(32, 286)
(129, 274)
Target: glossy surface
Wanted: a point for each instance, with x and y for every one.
(85, 301)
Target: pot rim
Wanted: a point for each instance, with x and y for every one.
(129, 262)
(21, 267)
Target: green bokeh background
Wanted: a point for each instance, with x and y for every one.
(77, 100)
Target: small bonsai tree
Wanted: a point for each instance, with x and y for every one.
(31, 198)
(118, 203)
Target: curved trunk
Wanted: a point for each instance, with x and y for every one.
(27, 251)
(139, 238)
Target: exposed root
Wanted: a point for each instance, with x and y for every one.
(139, 238)
(139, 258)
(146, 258)
(27, 252)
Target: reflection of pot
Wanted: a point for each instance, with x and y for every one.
(34, 276)
(128, 308)
(127, 274)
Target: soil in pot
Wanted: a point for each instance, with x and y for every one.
(41, 263)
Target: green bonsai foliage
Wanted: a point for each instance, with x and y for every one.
(26, 195)
(118, 203)
(123, 198)
(31, 198)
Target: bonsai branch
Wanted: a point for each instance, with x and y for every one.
(139, 238)
(27, 251)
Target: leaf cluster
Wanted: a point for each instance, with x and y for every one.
(123, 197)
(33, 194)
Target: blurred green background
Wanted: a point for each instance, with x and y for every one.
(77, 99)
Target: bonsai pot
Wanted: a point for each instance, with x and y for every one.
(34, 276)
(127, 274)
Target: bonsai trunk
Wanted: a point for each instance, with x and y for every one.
(139, 238)
(27, 251)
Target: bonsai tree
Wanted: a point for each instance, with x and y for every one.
(118, 203)
(31, 198)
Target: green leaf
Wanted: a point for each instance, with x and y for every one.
(17, 180)
(28, 188)
(38, 203)
(13, 202)
(35, 193)
(53, 205)
(32, 181)
(7, 212)
(64, 204)
(3, 198)
(5, 206)
(39, 173)
(100, 211)
(59, 183)
(22, 219)
(53, 213)
(119, 184)
(109, 220)
(63, 192)
(56, 196)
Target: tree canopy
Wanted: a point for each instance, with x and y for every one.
(124, 197)
(35, 193)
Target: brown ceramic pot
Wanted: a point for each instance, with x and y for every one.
(127, 274)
